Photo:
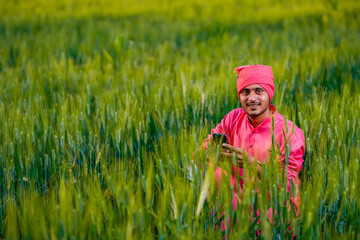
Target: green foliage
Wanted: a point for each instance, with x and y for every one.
(103, 104)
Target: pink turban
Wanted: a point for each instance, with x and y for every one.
(255, 74)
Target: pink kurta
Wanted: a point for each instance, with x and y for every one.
(257, 141)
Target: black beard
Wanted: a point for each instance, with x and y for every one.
(255, 115)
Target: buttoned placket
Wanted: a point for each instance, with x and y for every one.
(251, 141)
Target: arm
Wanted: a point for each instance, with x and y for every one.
(294, 166)
(223, 128)
(241, 155)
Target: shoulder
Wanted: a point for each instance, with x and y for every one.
(235, 114)
(232, 118)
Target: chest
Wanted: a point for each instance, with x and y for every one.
(257, 141)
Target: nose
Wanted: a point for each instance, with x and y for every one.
(252, 96)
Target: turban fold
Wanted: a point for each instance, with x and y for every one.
(256, 74)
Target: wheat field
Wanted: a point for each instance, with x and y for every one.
(103, 105)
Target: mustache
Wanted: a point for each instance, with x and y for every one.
(251, 103)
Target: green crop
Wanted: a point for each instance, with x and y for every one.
(104, 105)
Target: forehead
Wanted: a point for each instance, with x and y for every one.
(253, 86)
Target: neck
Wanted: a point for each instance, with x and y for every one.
(256, 121)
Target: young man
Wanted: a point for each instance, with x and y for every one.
(249, 130)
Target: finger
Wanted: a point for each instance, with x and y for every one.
(237, 156)
(227, 146)
(224, 150)
(228, 155)
(232, 148)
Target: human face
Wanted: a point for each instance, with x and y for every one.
(255, 101)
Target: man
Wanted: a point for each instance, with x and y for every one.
(249, 130)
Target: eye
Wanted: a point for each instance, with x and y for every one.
(245, 91)
(259, 91)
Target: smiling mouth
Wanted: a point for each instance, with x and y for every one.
(253, 106)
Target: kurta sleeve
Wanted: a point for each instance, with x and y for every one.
(224, 127)
(297, 149)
